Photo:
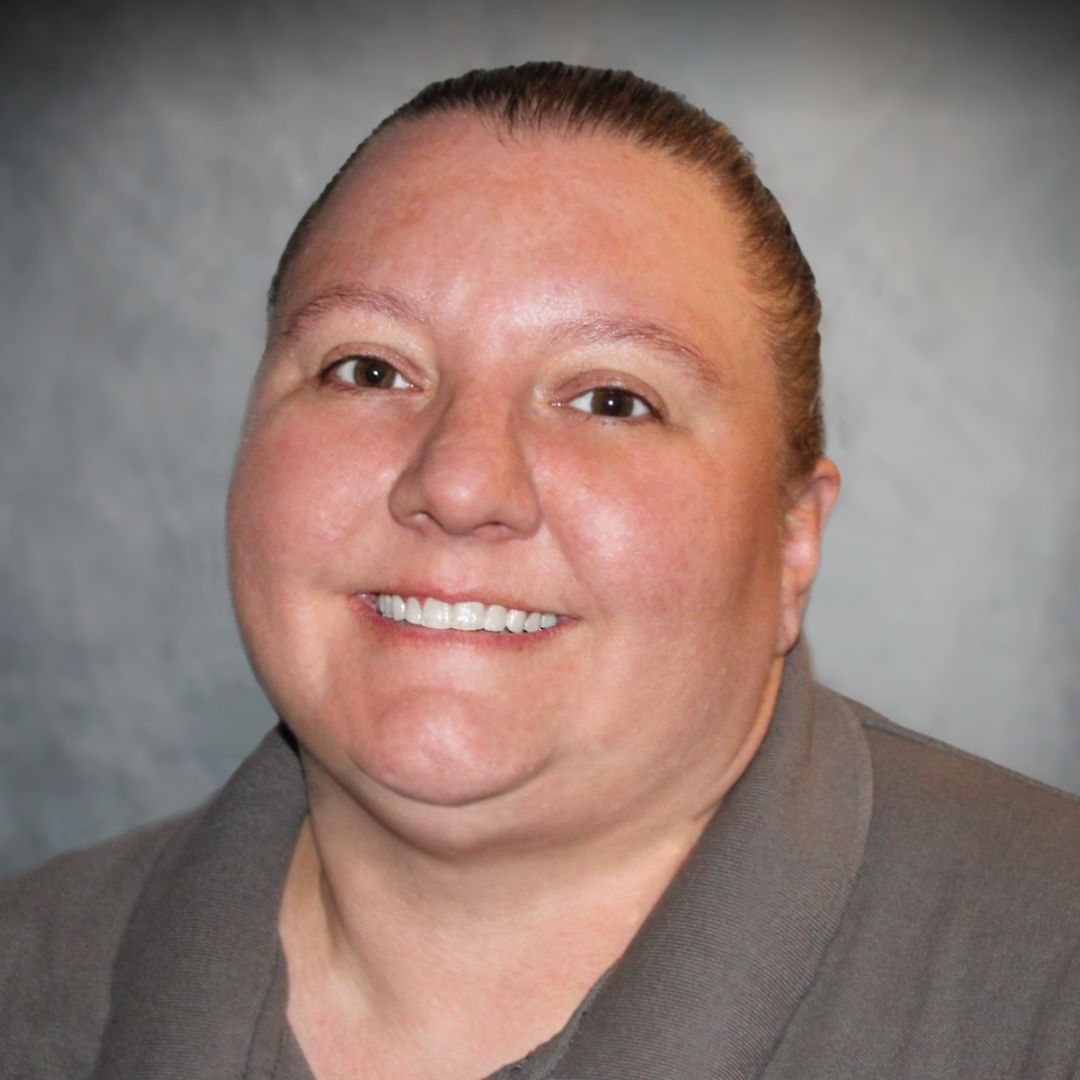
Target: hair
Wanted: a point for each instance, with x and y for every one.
(571, 100)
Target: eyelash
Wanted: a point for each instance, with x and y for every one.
(641, 408)
(333, 371)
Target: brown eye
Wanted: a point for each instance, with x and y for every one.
(370, 372)
(612, 401)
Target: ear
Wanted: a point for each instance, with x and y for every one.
(804, 522)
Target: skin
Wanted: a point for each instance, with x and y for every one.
(492, 816)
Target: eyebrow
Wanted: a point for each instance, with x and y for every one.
(343, 299)
(602, 329)
(594, 328)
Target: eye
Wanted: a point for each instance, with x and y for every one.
(612, 401)
(368, 372)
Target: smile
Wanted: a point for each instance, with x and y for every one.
(466, 615)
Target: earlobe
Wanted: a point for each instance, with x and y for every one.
(804, 522)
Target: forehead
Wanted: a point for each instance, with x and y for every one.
(466, 221)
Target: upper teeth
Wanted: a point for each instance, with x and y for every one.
(467, 615)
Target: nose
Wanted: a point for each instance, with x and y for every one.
(468, 476)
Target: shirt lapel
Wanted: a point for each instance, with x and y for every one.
(197, 961)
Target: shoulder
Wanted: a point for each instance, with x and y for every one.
(952, 836)
(969, 822)
(60, 926)
(963, 929)
(959, 949)
(81, 894)
(98, 945)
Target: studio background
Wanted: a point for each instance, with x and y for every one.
(154, 162)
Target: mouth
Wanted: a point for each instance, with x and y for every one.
(464, 616)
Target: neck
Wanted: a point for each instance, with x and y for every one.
(455, 949)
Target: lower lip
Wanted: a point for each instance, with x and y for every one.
(392, 631)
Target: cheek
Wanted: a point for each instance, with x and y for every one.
(303, 490)
(668, 527)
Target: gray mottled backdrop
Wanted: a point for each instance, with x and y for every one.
(153, 164)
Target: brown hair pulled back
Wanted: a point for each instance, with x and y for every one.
(570, 100)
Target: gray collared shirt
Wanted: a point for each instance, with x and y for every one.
(866, 903)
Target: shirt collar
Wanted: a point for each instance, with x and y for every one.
(196, 965)
(710, 982)
(705, 989)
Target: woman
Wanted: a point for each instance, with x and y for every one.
(523, 523)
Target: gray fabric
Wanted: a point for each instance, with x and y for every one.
(865, 903)
(162, 966)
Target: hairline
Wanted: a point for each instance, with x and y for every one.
(510, 129)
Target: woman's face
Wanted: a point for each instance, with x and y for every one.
(520, 372)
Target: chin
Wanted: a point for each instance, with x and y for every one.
(440, 750)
